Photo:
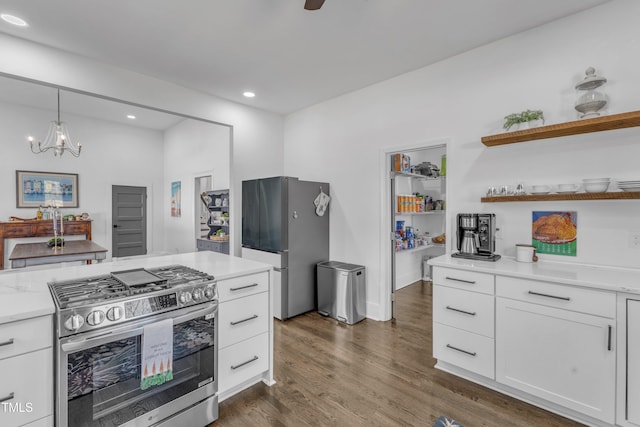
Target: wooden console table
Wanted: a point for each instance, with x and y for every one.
(28, 254)
(39, 228)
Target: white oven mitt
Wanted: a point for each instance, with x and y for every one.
(321, 202)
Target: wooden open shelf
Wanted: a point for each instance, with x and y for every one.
(618, 195)
(597, 124)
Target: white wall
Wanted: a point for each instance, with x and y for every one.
(191, 149)
(257, 135)
(463, 98)
(113, 154)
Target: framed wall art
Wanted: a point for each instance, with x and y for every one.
(555, 233)
(34, 189)
(176, 198)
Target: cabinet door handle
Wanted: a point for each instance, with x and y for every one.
(470, 313)
(237, 322)
(234, 367)
(9, 397)
(7, 342)
(549, 296)
(461, 350)
(244, 287)
(471, 282)
(609, 338)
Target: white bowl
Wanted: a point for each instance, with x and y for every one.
(596, 187)
(596, 180)
(567, 187)
(539, 189)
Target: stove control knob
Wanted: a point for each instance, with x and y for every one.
(198, 294)
(74, 322)
(114, 313)
(210, 292)
(185, 297)
(95, 317)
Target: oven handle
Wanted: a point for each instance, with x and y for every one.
(102, 337)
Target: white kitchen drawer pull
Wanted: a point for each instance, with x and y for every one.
(4, 399)
(244, 363)
(461, 350)
(244, 287)
(470, 313)
(471, 282)
(8, 342)
(237, 322)
(549, 296)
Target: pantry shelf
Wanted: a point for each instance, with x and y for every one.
(433, 212)
(618, 195)
(422, 248)
(597, 124)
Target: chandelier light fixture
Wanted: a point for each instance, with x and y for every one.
(57, 139)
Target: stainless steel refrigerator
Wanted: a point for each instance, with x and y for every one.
(281, 226)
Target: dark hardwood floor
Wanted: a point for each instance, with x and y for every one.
(370, 374)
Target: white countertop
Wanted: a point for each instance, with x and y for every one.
(25, 294)
(593, 276)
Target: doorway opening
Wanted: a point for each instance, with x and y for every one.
(202, 184)
(129, 220)
(417, 214)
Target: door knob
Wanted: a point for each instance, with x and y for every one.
(115, 225)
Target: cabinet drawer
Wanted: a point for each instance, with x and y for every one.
(462, 279)
(243, 318)
(466, 350)
(243, 361)
(29, 379)
(25, 336)
(464, 310)
(45, 228)
(71, 227)
(243, 286)
(17, 231)
(590, 301)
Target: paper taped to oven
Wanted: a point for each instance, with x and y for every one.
(157, 354)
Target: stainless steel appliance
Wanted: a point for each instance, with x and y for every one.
(279, 217)
(476, 236)
(342, 291)
(100, 329)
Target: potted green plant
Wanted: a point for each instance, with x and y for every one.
(534, 118)
(524, 120)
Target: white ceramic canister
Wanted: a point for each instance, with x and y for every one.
(526, 253)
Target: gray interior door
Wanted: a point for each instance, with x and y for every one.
(129, 220)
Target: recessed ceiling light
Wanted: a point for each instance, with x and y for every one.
(249, 94)
(131, 116)
(11, 19)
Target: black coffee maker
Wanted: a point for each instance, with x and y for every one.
(476, 237)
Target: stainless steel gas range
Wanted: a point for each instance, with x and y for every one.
(106, 326)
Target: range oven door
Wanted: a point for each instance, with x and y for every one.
(98, 373)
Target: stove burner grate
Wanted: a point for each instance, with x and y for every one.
(85, 291)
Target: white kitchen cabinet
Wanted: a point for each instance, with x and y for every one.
(463, 320)
(629, 362)
(566, 357)
(26, 369)
(633, 361)
(245, 333)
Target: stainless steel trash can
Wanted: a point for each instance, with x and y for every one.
(342, 291)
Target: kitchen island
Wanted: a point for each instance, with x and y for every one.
(553, 334)
(26, 327)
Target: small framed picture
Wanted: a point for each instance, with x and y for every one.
(35, 189)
